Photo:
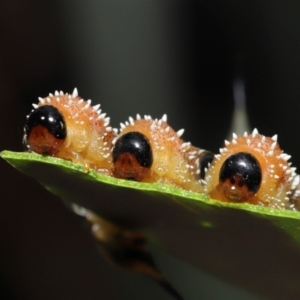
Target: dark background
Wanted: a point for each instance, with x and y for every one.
(147, 57)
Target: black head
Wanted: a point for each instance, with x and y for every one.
(205, 160)
(48, 117)
(44, 130)
(136, 144)
(242, 169)
(132, 156)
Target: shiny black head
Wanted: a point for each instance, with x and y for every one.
(205, 160)
(136, 144)
(242, 169)
(48, 117)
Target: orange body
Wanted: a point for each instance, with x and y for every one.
(89, 137)
(278, 178)
(174, 162)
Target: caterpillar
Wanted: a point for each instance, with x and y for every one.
(68, 127)
(252, 168)
(149, 150)
(249, 169)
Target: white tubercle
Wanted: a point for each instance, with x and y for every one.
(75, 93)
(180, 132)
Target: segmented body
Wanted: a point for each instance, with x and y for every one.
(250, 168)
(88, 135)
(270, 182)
(173, 161)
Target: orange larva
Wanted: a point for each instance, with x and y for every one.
(151, 151)
(253, 169)
(68, 127)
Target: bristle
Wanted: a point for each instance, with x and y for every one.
(254, 132)
(96, 107)
(274, 137)
(131, 120)
(273, 145)
(183, 145)
(164, 118)
(180, 132)
(152, 126)
(114, 140)
(296, 181)
(88, 103)
(285, 156)
(75, 93)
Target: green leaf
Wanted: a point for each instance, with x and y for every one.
(252, 246)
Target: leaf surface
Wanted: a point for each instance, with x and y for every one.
(253, 246)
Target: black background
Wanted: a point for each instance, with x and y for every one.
(148, 57)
